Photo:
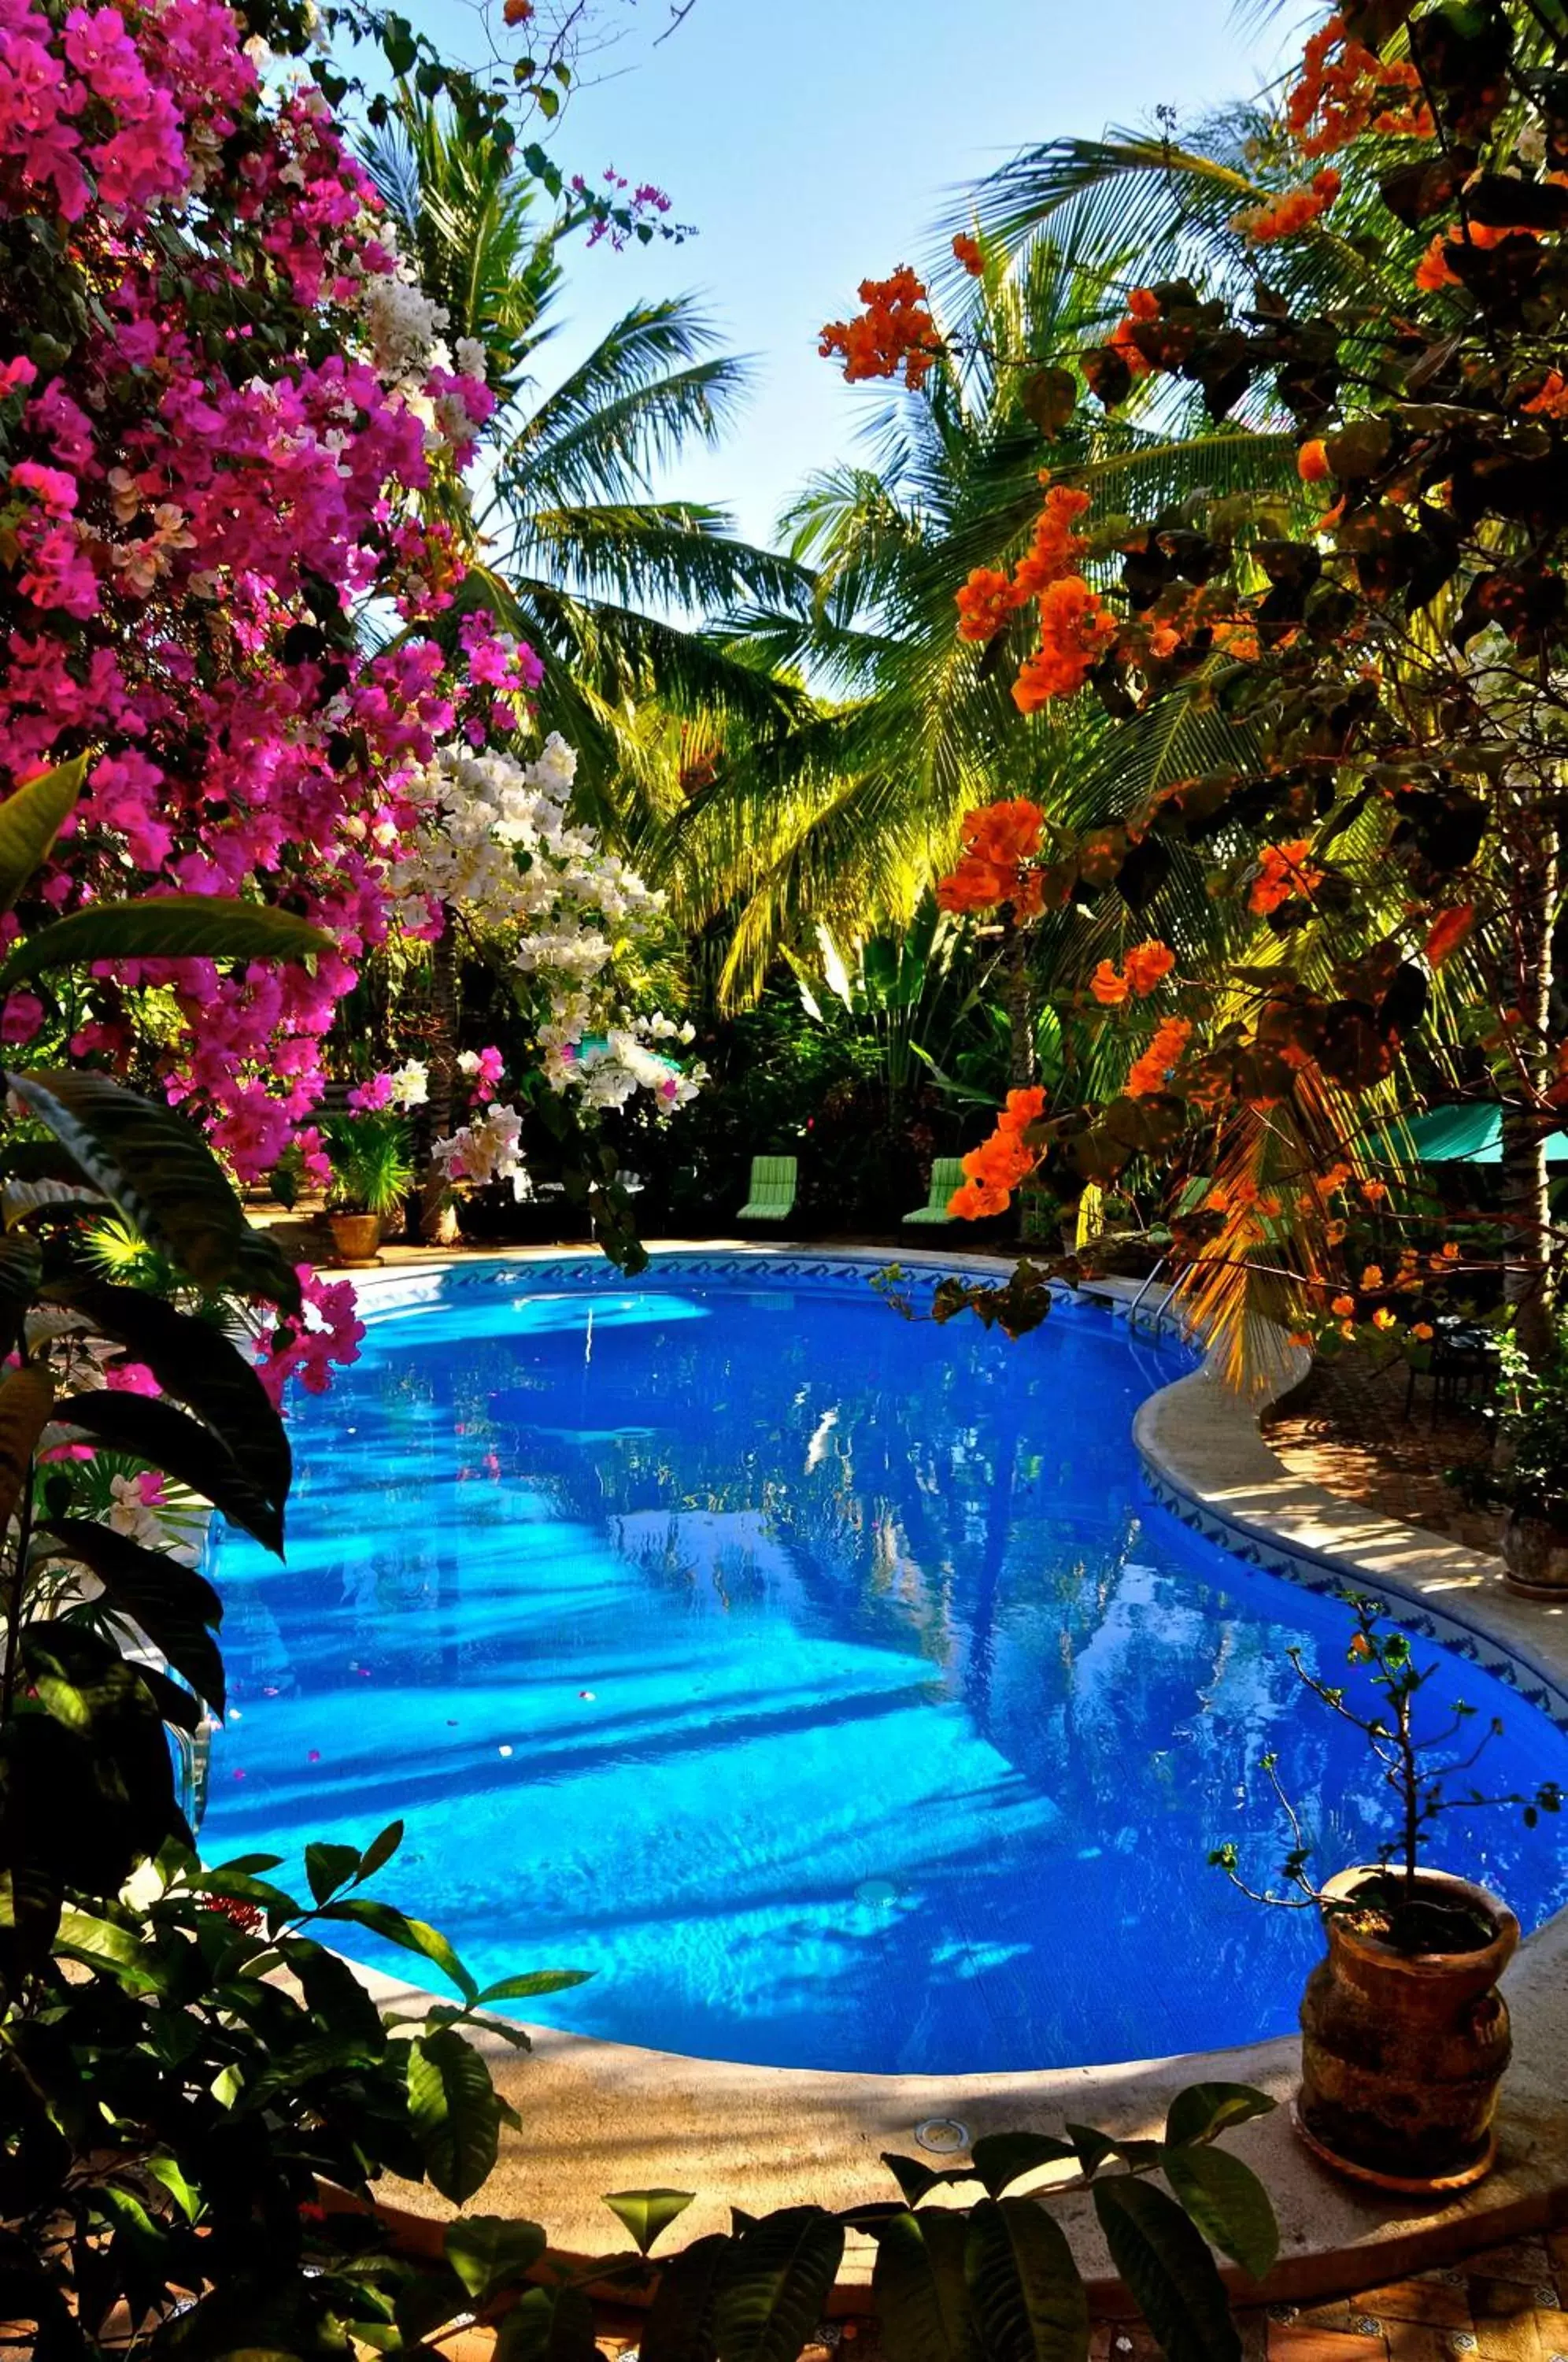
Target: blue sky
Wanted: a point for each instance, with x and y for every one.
(814, 143)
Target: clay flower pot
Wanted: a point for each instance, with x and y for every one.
(355, 1237)
(1535, 1556)
(1402, 2053)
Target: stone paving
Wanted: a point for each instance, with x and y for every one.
(1345, 1428)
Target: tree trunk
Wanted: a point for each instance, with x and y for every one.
(1532, 889)
(438, 1217)
(1018, 999)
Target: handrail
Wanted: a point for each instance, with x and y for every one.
(1149, 1282)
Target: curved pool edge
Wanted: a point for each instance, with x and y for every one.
(598, 2115)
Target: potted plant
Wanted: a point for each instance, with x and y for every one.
(1527, 1472)
(1405, 2036)
(371, 1171)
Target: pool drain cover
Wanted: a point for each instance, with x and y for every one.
(942, 2134)
(880, 1892)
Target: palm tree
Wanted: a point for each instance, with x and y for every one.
(572, 548)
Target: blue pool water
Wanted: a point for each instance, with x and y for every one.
(830, 1687)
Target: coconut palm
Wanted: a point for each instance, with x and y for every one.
(572, 548)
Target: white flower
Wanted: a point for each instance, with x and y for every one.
(410, 1086)
(471, 358)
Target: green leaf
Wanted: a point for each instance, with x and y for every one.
(1003, 2158)
(30, 820)
(1092, 2148)
(103, 1945)
(913, 2176)
(549, 2324)
(774, 2285)
(27, 1400)
(1205, 2108)
(1029, 2299)
(163, 926)
(679, 2326)
(488, 2251)
(1173, 2279)
(174, 1605)
(919, 2288)
(1229, 2205)
(240, 1886)
(379, 1851)
(197, 1365)
(163, 1177)
(193, 1454)
(533, 1983)
(647, 2212)
(412, 1935)
(328, 1867)
(456, 2112)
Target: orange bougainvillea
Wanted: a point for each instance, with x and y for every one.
(1346, 89)
(1152, 1072)
(1312, 461)
(969, 252)
(1551, 401)
(895, 331)
(994, 1170)
(1284, 870)
(1147, 967)
(1434, 269)
(998, 843)
(1075, 631)
(1287, 215)
(985, 603)
(1055, 549)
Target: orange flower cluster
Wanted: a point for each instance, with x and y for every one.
(1141, 305)
(1055, 549)
(1312, 461)
(1288, 216)
(998, 842)
(1551, 401)
(1148, 965)
(1285, 870)
(994, 1170)
(985, 603)
(895, 331)
(1346, 88)
(1152, 1071)
(1075, 631)
(968, 251)
(1434, 269)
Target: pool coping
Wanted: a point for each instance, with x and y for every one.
(600, 2115)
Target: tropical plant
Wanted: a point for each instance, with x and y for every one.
(1527, 1471)
(1389, 806)
(372, 1166)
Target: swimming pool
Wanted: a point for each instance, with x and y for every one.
(831, 1686)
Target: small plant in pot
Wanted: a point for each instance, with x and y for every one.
(371, 1172)
(1527, 1474)
(1405, 2036)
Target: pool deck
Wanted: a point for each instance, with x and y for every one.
(601, 2116)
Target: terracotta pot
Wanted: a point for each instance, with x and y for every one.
(1402, 2053)
(355, 1237)
(1535, 1556)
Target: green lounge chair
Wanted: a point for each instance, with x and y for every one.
(946, 1175)
(772, 1198)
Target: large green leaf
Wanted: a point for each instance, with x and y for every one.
(921, 2292)
(534, 1982)
(1204, 2109)
(193, 1454)
(647, 2212)
(27, 1400)
(774, 2285)
(412, 1935)
(199, 1367)
(490, 2251)
(87, 1688)
(549, 2324)
(1001, 2157)
(328, 1867)
(163, 1177)
(20, 1267)
(163, 926)
(172, 1604)
(1229, 2205)
(1029, 2299)
(30, 820)
(455, 2111)
(1173, 2279)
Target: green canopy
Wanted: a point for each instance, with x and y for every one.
(1451, 1135)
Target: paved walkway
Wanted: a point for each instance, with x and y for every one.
(1345, 1428)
